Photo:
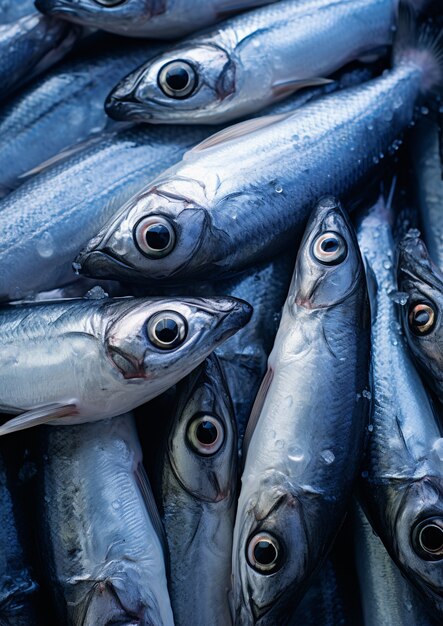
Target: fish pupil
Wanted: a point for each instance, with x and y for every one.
(432, 538)
(265, 553)
(177, 78)
(158, 237)
(167, 330)
(421, 317)
(206, 433)
(329, 245)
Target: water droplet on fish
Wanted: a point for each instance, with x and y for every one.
(424, 110)
(279, 444)
(328, 456)
(438, 448)
(273, 434)
(278, 188)
(116, 505)
(366, 394)
(387, 265)
(295, 454)
(370, 428)
(76, 267)
(96, 293)
(399, 297)
(288, 401)
(375, 160)
(45, 245)
(370, 127)
(394, 342)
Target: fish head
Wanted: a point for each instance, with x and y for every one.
(417, 529)
(162, 340)
(179, 86)
(271, 552)
(422, 281)
(108, 14)
(329, 265)
(202, 443)
(157, 235)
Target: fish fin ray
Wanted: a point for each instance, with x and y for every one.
(257, 408)
(287, 87)
(35, 417)
(145, 488)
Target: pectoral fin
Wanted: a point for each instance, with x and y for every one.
(284, 88)
(35, 417)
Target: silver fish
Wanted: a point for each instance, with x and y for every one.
(402, 478)
(219, 214)
(252, 60)
(30, 46)
(305, 436)
(65, 106)
(421, 284)
(103, 555)
(76, 361)
(197, 493)
(387, 598)
(157, 19)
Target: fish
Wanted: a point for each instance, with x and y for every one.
(12, 10)
(31, 45)
(65, 106)
(220, 214)
(99, 528)
(386, 596)
(197, 494)
(429, 186)
(420, 283)
(252, 60)
(156, 19)
(305, 436)
(80, 360)
(401, 483)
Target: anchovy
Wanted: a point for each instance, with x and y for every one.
(73, 361)
(65, 106)
(252, 60)
(305, 436)
(197, 493)
(386, 596)
(421, 284)
(156, 19)
(99, 527)
(219, 214)
(30, 46)
(402, 477)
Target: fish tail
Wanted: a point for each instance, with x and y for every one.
(420, 45)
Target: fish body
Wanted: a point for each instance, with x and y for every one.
(157, 19)
(198, 488)
(252, 60)
(81, 360)
(226, 214)
(62, 108)
(12, 10)
(402, 478)
(29, 46)
(305, 436)
(103, 556)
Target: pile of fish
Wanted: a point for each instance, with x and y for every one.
(221, 319)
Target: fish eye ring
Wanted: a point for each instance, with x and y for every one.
(329, 248)
(109, 3)
(205, 434)
(421, 318)
(264, 553)
(154, 236)
(167, 330)
(177, 79)
(428, 538)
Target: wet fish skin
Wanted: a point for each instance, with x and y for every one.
(402, 476)
(197, 493)
(65, 106)
(245, 210)
(96, 358)
(103, 556)
(29, 46)
(304, 452)
(255, 59)
(157, 19)
(420, 280)
(12, 10)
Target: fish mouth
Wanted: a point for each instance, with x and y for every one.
(101, 264)
(124, 108)
(236, 318)
(414, 264)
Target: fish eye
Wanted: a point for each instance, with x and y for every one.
(428, 538)
(154, 236)
(205, 434)
(177, 79)
(421, 318)
(330, 248)
(109, 3)
(167, 330)
(264, 553)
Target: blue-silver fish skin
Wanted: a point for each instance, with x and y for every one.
(421, 283)
(305, 440)
(30, 46)
(253, 60)
(402, 476)
(198, 497)
(156, 19)
(64, 107)
(229, 213)
(12, 10)
(103, 557)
